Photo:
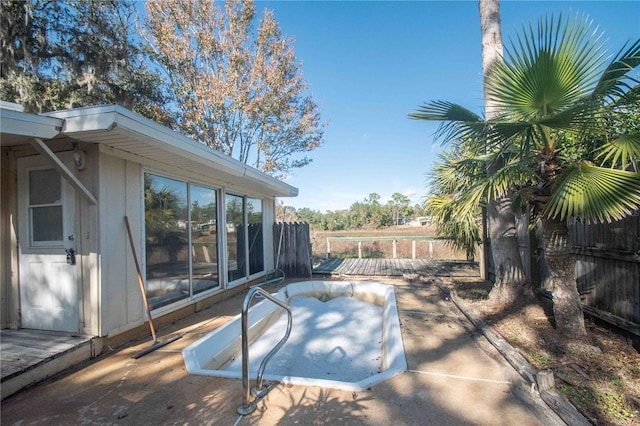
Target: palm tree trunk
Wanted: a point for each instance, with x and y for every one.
(567, 311)
(510, 277)
(492, 47)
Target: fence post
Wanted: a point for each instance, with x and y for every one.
(413, 249)
(306, 261)
(359, 249)
(395, 243)
(328, 248)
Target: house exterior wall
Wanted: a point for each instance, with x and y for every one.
(121, 194)
(85, 230)
(109, 295)
(102, 155)
(87, 246)
(8, 250)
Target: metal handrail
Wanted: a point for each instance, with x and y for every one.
(248, 407)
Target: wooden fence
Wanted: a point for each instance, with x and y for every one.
(608, 269)
(607, 264)
(294, 245)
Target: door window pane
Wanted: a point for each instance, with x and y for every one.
(45, 187)
(45, 207)
(46, 224)
(256, 247)
(167, 240)
(235, 237)
(204, 244)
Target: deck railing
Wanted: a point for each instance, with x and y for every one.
(433, 250)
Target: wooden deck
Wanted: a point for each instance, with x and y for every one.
(29, 356)
(396, 267)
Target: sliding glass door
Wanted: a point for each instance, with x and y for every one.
(181, 239)
(166, 240)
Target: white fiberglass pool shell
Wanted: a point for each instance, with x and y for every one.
(212, 354)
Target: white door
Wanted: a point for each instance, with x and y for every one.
(47, 241)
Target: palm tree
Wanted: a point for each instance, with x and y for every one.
(500, 225)
(446, 205)
(510, 278)
(559, 141)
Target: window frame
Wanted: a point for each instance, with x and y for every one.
(30, 208)
(224, 283)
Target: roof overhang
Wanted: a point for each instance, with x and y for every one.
(123, 133)
(19, 127)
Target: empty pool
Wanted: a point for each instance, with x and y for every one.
(345, 335)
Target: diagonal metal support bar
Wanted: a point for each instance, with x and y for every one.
(57, 164)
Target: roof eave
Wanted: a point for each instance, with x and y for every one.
(17, 126)
(78, 123)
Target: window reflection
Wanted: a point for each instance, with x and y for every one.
(204, 245)
(181, 239)
(167, 239)
(235, 237)
(45, 207)
(256, 246)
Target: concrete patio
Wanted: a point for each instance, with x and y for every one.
(455, 376)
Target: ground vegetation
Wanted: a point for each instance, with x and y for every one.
(445, 205)
(602, 383)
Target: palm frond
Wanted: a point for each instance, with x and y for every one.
(445, 111)
(460, 228)
(621, 152)
(456, 170)
(456, 122)
(513, 175)
(562, 103)
(548, 69)
(444, 178)
(503, 129)
(595, 194)
(615, 79)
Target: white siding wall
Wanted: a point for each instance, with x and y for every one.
(87, 245)
(122, 306)
(9, 300)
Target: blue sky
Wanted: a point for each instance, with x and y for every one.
(370, 64)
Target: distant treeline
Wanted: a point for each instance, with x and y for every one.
(366, 214)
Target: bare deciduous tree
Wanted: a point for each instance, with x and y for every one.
(238, 90)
